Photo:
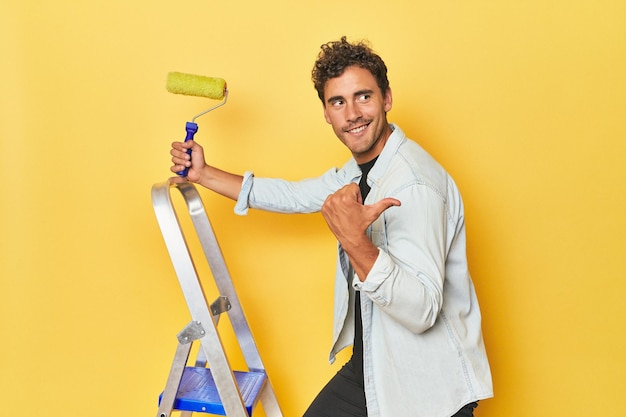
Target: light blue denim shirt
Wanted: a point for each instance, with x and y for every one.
(423, 348)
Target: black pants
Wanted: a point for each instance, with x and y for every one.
(344, 396)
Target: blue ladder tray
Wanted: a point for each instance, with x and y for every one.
(197, 391)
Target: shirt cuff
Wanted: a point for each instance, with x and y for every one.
(378, 274)
(241, 207)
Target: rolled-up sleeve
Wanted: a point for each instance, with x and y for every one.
(241, 207)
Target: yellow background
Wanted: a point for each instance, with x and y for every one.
(524, 102)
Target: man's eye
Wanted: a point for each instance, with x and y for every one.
(337, 103)
(364, 97)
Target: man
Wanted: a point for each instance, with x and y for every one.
(403, 294)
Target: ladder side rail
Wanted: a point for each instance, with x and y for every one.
(173, 380)
(220, 272)
(194, 295)
(221, 275)
(269, 401)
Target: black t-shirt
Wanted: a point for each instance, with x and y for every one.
(357, 350)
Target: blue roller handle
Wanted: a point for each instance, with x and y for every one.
(191, 128)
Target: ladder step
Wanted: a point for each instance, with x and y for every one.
(197, 391)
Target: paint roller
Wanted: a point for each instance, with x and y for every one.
(200, 86)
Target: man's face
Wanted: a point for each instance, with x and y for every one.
(356, 109)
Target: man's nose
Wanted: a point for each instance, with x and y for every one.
(353, 112)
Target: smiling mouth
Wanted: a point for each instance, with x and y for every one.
(358, 129)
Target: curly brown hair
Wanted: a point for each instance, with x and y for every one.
(335, 57)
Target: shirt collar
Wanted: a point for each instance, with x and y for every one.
(396, 139)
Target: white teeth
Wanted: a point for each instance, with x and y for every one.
(358, 129)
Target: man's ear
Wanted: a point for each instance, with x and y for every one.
(388, 100)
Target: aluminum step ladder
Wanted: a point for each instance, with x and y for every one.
(215, 389)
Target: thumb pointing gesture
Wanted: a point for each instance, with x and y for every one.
(348, 219)
(373, 211)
